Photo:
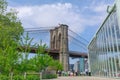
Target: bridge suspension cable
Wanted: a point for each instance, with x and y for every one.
(78, 35)
(76, 40)
(77, 43)
(40, 29)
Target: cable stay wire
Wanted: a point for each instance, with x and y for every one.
(80, 47)
(38, 27)
(76, 43)
(78, 35)
(77, 40)
(37, 30)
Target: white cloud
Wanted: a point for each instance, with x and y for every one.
(53, 14)
(101, 7)
(97, 13)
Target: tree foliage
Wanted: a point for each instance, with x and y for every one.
(3, 6)
(10, 32)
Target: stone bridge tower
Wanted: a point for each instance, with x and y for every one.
(59, 41)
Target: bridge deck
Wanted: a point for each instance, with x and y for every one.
(55, 52)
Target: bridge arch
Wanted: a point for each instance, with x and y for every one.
(54, 42)
(59, 41)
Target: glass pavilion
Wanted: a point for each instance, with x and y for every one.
(104, 49)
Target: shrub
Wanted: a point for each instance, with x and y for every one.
(28, 77)
(18, 77)
(49, 76)
(4, 77)
(33, 77)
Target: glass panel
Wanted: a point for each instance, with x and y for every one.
(104, 50)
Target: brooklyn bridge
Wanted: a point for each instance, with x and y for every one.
(62, 43)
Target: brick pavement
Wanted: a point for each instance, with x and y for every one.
(83, 78)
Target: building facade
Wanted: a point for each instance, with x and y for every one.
(104, 49)
(81, 66)
(71, 66)
(77, 67)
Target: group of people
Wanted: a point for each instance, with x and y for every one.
(69, 73)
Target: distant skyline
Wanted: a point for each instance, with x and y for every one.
(82, 16)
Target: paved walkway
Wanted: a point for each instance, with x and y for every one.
(83, 78)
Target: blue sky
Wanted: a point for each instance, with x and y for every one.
(82, 16)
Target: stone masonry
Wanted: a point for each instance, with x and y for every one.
(59, 41)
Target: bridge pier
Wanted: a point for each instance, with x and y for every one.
(59, 41)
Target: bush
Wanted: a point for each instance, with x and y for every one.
(18, 77)
(4, 77)
(28, 77)
(49, 76)
(33, 77)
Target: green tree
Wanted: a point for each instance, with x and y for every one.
(42, 60)
(10, 32)
(10, 25)
(56, 65)
(25, 48)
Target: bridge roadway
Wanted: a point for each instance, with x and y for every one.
(55, 52)
(74, 54)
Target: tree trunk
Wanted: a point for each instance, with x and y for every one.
(41, 75)
(11, 75)
(25, 75)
